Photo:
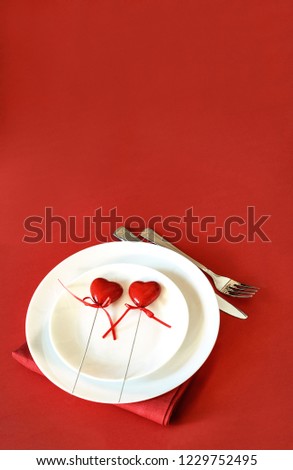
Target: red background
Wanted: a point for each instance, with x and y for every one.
(152, 107)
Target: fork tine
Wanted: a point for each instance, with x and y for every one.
(241, 288)
(235, 290)
(241, 292)
(248, 286)
(243, 296)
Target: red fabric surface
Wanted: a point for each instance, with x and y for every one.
(157, 409)
(153, 108)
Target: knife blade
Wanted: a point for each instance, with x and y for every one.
(122, 233)
(226, 307)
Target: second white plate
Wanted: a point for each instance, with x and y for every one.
(106, 359)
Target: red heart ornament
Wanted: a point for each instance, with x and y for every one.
(144, 293)
(105, 292)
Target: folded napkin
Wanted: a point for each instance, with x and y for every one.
(158, 409)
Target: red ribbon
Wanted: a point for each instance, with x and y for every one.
(96, 305)
(148, 312)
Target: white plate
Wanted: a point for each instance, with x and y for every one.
(202, 332)
(106, 359)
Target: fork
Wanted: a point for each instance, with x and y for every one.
(223, 284)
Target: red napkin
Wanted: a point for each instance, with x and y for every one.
(158, 409)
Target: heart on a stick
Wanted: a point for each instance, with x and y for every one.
(105, 292)
(144, 293)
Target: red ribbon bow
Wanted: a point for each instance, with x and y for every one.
(148, 312)
(96, 305)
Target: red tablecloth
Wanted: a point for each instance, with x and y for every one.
(151, 108)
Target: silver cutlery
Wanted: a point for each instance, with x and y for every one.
(223, 284)
(125, 235)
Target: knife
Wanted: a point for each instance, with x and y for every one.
(125, 235)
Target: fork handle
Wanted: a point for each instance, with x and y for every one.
(148, 234)
(154, 237)
(125, 235)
